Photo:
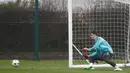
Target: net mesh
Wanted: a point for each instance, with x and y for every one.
(109, 18)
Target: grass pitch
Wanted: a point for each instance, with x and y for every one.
(50, 66)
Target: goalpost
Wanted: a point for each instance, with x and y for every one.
(110, 18)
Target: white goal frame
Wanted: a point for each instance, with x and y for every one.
(70, 36)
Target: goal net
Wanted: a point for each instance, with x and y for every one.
(110, 18)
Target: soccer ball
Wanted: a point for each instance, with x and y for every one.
(15, 63)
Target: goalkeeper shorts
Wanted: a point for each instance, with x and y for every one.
(102, 56)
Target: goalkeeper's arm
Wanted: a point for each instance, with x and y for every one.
(96, 45)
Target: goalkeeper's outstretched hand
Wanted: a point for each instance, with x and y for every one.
(86, 56)
(85, 49)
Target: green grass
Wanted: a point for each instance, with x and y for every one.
(52, 66)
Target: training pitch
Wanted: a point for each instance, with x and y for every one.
(50, 66)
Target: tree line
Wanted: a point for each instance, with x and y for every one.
(17, 25)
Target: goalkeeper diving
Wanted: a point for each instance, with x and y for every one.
(103, 52)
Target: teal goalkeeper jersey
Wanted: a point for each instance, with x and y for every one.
(100, 45)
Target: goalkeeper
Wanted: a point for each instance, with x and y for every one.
(103, 52)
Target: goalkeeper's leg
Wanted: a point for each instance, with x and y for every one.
(107, 58)
(92, 61)
(112, 64)
(103, 57)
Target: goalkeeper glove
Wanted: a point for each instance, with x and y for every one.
(86, 56)
(86, 49)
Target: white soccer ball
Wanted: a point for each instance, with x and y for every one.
(15, 63)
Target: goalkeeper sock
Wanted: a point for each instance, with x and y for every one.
(90, 65)
(117, 67)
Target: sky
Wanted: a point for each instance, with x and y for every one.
(6, 0)
(75, 2)
(79, 2)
